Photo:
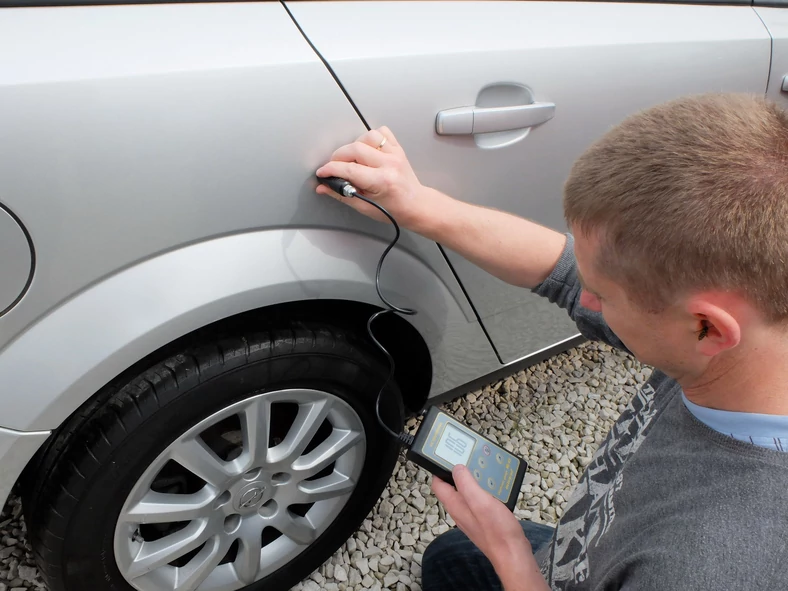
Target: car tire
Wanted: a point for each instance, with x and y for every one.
(79, 499)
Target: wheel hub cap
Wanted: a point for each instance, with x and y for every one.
(250, 496)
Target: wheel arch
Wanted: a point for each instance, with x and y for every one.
(135, 313)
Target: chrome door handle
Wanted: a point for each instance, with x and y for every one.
(472, 120)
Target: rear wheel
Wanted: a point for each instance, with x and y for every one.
(242, 464)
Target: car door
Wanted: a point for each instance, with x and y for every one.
(565, 73)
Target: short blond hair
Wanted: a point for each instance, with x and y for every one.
(688, 196)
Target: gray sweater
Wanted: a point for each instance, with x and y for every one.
(667, 503)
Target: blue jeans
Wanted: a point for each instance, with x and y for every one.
(453, 562)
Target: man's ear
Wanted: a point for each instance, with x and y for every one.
(715, 326)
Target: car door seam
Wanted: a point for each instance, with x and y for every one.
(326, 64)
(470, 302)
(771, 49)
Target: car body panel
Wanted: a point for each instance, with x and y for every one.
(776, 20)
(403, 62)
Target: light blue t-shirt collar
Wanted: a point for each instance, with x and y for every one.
(769, 431)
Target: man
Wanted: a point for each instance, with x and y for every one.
(678, 252)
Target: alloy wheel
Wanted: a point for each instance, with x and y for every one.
(240, 494)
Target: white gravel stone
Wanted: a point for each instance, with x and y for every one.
(362, 564)
(390, 578)
(372, 551)
(386, 508)
(354, 577)
(340, 574)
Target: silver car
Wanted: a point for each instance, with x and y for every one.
(187, 382)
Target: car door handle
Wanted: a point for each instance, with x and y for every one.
(472, 120)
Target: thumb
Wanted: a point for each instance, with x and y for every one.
(462, 476)
(468, 487)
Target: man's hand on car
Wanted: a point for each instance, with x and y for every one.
(381, 173)
(493, 529)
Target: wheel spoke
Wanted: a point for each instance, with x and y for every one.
(295, 527)
(256, 425)
(197, 457)
(159, 552)
(308, 420)
(191, 576)
(328, 487)
(247, 563)
(157, 507)
(327, 452)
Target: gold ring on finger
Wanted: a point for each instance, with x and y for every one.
(382, 142)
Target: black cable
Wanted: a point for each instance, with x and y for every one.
(344, 188)
(404, 438)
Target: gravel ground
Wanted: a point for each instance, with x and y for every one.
(554, 414)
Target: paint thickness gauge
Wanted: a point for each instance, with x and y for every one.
(442, 443)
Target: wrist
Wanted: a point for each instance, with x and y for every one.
(519, 571)
(428, 212)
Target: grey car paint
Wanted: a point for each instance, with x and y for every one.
(597, 62)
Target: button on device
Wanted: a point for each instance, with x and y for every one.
(477, 475)
(491, 483)
(499, 457)
(482, 463)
